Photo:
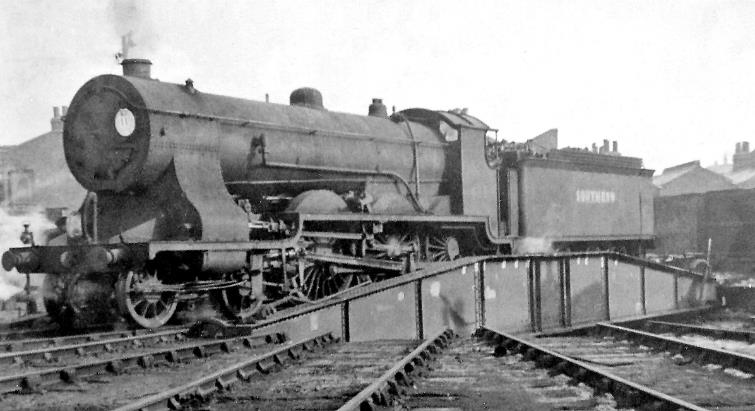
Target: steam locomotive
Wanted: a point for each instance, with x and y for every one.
(195, 196)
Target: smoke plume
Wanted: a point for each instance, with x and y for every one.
(131, 18)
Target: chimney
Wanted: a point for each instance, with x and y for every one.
(604, 147)
(615, 146)
(64, 110)
(742, 158)
(56, 121)
(137, 68)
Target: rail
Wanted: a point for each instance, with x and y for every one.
(33, 343)
(378, 392)
(678, 329)
(225, 378)
(32, 381)
(52, 353)
(701, 354)
(629, 393)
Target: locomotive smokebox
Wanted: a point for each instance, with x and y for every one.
(137, 68)
(307, 97)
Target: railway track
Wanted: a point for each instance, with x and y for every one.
(66, 340)
(53, 331)
(688, 351)
(636, 376)
(383, 327)
(53, 353)
(676, 328)
(472, 375)
(137, 366)
(344, 376)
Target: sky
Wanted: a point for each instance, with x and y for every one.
(672, 81)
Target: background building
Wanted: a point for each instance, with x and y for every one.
(689, 178)
(34, 174)
(741, 170)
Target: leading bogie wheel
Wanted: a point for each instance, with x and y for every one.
(142, 298)
(78, 300)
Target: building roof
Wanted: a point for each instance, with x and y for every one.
(741, 176)
(54, 185)
(723, 169)
(672, 173)
(690, 178)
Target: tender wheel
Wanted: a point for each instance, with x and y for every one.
(243, 301)
(443, 248)
(142, 299)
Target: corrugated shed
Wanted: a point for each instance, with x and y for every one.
(677, 224)
(685, 223)
(728, 218)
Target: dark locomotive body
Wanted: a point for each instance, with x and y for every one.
(194, 194)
